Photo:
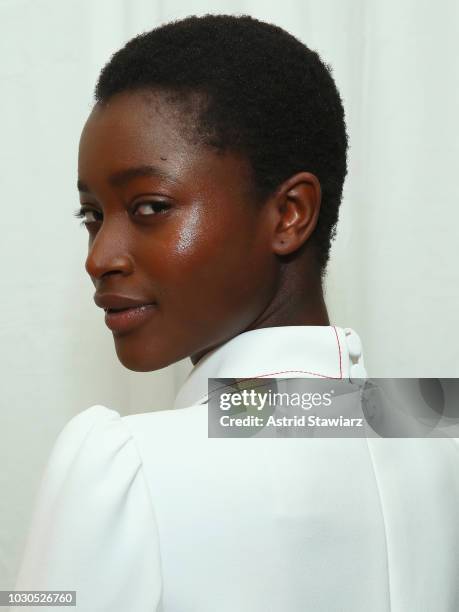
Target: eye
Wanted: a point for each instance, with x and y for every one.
(89, 215)
(83, 211)
(157, 205)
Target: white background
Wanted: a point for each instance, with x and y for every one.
(393, 274)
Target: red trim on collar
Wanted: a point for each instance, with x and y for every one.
(340, 377)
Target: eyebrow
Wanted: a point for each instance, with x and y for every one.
(121, 177)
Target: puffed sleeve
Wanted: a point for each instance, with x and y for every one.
(93, 528)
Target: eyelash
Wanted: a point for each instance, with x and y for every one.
(81, 212)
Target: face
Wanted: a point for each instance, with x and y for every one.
(170, 223)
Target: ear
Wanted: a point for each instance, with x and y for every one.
(295, 207)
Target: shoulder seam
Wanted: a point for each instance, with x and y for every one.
(152, 508)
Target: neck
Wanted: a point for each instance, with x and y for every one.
(294, 312)
(298, 307)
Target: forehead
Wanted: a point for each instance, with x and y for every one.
(134, 125)
(151, 128)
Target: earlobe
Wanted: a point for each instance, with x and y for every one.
(297, 204)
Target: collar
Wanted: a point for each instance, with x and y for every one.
(295, 351)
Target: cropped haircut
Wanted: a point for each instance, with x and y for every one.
(267, 96)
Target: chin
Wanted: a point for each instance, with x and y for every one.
(139, 357)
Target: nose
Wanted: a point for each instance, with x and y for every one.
(108, 254)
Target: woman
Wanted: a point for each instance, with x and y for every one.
(210, 174)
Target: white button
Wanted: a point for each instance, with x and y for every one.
(354, 344)
(357, 371)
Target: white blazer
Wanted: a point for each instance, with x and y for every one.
(146, 513)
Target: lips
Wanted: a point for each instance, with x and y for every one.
(126, 313)
(123, 309)
(129, 319)
(112, 302)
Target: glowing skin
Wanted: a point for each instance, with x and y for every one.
(211, 258)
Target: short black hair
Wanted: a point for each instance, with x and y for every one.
(269, 97)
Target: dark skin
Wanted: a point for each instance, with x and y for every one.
(215, 263)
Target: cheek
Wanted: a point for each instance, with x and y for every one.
(213, 267)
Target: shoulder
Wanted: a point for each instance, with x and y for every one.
(95, 439)
(93, 509)
(95, 418)
(164, 426)
(93, 466)
(100, 436)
